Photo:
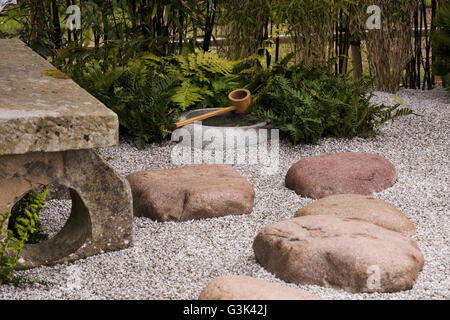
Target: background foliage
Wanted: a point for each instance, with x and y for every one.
(149, 60)
(150, 92)
(389, 49)
(441, 43)
(309, 103)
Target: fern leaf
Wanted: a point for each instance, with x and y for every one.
(188, 95)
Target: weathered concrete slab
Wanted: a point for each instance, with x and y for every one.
(39, 112)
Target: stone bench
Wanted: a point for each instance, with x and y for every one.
(49, 127)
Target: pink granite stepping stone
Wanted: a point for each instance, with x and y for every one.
(339, 173)
(339, 252)
(191, 192)
(366, 208)
(235, 287)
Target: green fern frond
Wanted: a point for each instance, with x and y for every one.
(23, 222)
(193, 63)
(188, 95)
(214, 64)
(387, 114)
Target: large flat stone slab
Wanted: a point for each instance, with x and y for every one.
(39, 112)
(234, 287)
(191, 192)
(339, 173)
(366, 208)
(340, 252)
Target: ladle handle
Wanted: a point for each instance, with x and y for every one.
(204, 116)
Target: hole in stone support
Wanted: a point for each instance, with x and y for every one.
(101, 214)
(26, 202)
(71, 237)
(54, 216)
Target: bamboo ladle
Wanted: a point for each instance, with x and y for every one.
(240, 103)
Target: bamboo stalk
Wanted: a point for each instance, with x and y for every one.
(204, 116)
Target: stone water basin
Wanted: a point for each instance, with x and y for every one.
(228, 123)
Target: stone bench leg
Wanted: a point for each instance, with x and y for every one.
(101, 217)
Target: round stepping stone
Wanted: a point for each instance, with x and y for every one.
(233, 287)
(338, 173)
(362, 207)
(340, 252)
(192, 192)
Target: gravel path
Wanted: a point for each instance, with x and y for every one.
(176, 260)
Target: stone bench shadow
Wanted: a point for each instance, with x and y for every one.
(49, 128)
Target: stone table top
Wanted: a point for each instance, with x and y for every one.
(40, 112)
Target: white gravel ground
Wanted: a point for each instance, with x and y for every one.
(175, 260)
